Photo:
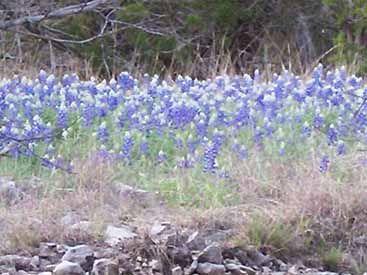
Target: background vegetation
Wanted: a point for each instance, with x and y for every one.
(199, 38)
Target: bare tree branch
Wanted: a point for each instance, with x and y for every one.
(62, 12)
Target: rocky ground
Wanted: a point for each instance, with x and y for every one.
(163, 250)
(149, 245)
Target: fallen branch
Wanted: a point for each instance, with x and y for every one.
(61, 12)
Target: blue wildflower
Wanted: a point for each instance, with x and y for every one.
(324, 164)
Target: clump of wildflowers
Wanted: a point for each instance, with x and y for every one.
(203, 119)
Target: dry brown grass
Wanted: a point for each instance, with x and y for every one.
(288, 209)
(294, 210)
(88, 196)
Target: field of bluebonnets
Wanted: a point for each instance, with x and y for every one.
(182, 137)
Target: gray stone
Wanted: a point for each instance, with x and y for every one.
(9, 192)
(325, 273)
(249, 270)
(177, 271)
(258, 258)
(80, 230)
(43, 263)
(282, 265)
(48, 250)
(158, 228)
(196, 241)
(45, 273)
(21, 272)
(192, 268)
(211, 254)
(49, 268)
(70, 219)
(106, 252)
(35, 263)
(266, 270)
(7, 269)
(68, 268)
(80, 254)
(156, 265)
(115, 235)
(235, 269)
(19, 262)
(82, 226)
(293, 270)
(180, 255)
(105, 267)
(219, 236)
(210, 269)
(135, 195)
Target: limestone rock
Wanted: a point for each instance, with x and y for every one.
(135, 195)
(192, 268)
(19, 262)
(68, 268)
(9, 192)
(70, 219)
(180, 255)
(80, 254)
(115, 235)
(248, 270)
(48, 251)
(177, 271)
(210, 269)
(257, 258)
(196, 241)
(105, 267)
(235, 269)
(211, 254)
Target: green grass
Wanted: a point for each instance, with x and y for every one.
(185, 187)
(332, 258)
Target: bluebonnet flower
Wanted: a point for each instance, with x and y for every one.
(101, 111)
(341, 149)
(306, 130)
(282, 148)
(202, 128)
(318, 122)
(317, 73)
(324, 164)
(102, 155)
(218, 139)
(242, 115)
(331, 135)
(42, 77)
(257, 77)
(185, 162)
(45, 161)
(237, 106)
(258, 136)
(162, 157)
(62, 119)
(240, 150)
(126, 81)
(102, 132)
(120, 120)
(144, 148)
(210, 155)
(127, 145)
(88, 114)
(224, 174)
